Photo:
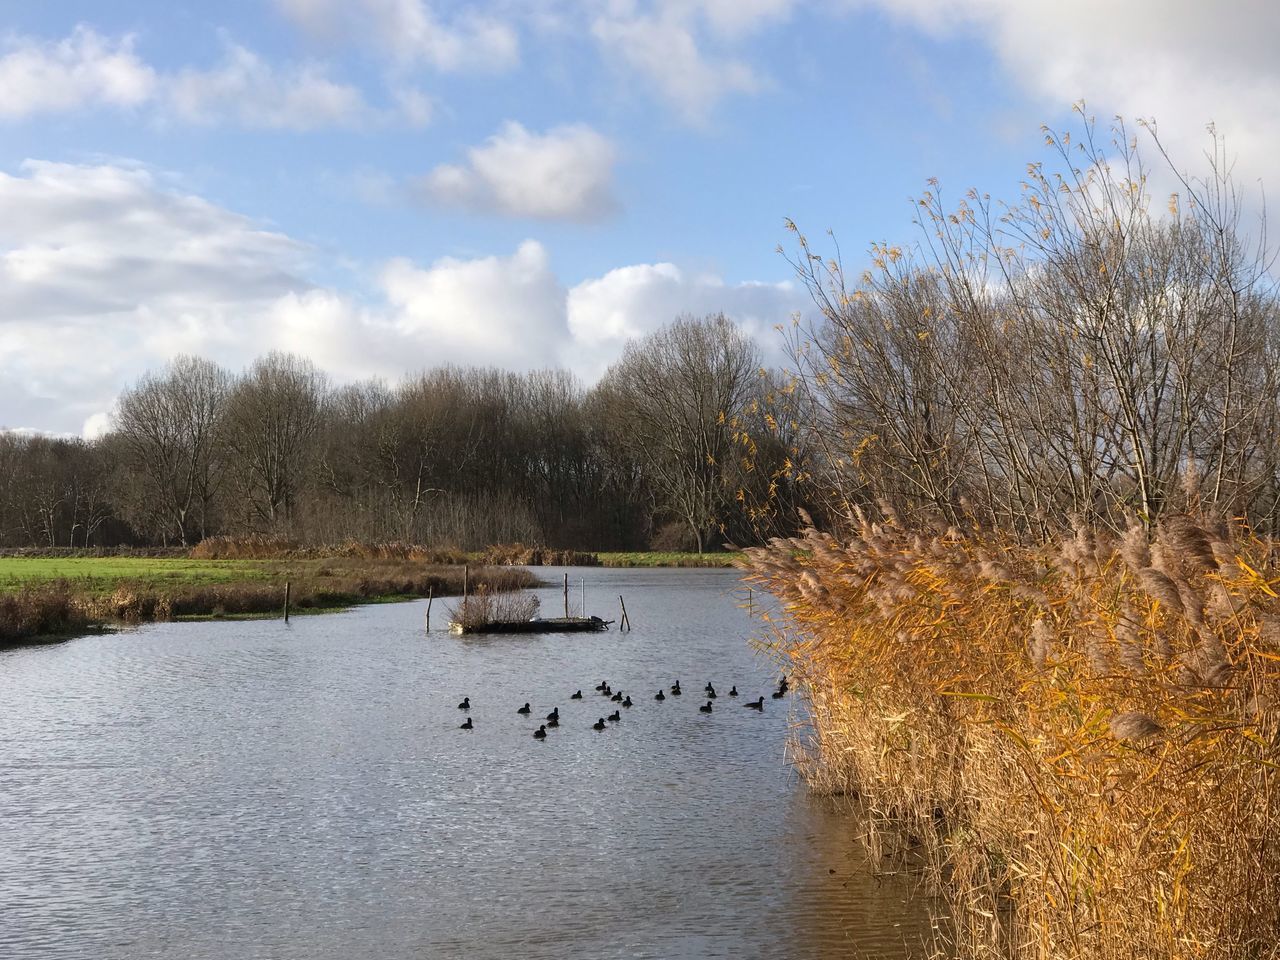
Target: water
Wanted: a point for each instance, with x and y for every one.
(257, 790)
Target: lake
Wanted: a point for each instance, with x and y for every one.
(262, 790)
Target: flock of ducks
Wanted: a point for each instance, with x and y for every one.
(624, 701)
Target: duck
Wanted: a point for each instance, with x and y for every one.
(540, 733)
(755, 704)
(659, 695)
(553, 723)
(601, 685)
(525, 708)
(711, 691)
(617, 697)
(783, 684)
(708, 688)
(705, 708)
(465, 726)
(598, 725)
(675, 689)
(779, 693)
(607, 691)
(465, 704)
(576, 696)
(733, 691)
(627, 702)
(554, 714)
(614, 717)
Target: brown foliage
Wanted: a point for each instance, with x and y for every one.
(1068, 732)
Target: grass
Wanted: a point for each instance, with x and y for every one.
(1079, 746)
(668, 558)
(43, 598)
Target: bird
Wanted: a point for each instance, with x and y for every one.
(783, 684)
(540, 733)
(779, 693)
(659, 695)
(525, 708)
(553, 723)
(733, 691)
(627, 701)
(465, 726)
(708, 688)
(706, 707)
(711, 691)
(617, 697)
(607, 691)
(755, 704)
(675, 689)
(601, 685)
(554, 714)
(465, 704)
(576, 696)
(598, 725)
(614, 717)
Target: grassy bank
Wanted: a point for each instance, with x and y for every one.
(668, 559)
(1079, 746)
(43, 598)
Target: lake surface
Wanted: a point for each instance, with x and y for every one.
(263, 790)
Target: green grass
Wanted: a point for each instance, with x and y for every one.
(103, 574)
(658, 558)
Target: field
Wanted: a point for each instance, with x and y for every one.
(103, 574)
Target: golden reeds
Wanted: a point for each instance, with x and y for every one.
(1079, 745)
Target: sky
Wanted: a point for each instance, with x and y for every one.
(390, 185)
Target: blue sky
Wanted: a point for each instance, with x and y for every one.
(386, 185)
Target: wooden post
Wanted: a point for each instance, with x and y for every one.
(625, 622)
(751, 603)
(582, 602)
(466, 578)
(286, 601)
(431, 595)
(566, 596)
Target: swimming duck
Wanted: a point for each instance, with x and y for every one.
(779, 693)
(465, 726)
(540, 733)
(525, 708)
(733, 691)
(755, 704)
(465, 704)
(598, 725)
(675, 689)
(659, 695)
(617, 697)
(553, 723)
(711, 691)
(607, 691)
(576, 696)
(627, 701)
(554, 714)
(601, 685)
(706, 707)
(614, 717)
(708, 688)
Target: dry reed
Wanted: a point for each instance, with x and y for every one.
(1078, 745)
(488, 606)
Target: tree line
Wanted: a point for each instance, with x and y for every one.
(672, 449)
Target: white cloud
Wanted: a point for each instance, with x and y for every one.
(247, 90)
(412, 33)
(107, 272)
(563, 174)
(80, 71)
(664, 49)
(1184, 63)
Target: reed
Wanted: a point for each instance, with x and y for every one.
(1077, 745)
(487, 605)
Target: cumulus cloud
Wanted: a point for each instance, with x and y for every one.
(108, 271)
(83, 70)
(87, 70)
(412, 33)
(563, 174)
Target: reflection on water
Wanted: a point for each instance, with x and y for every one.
(261, 790)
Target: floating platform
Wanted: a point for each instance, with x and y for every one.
(537, 625)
